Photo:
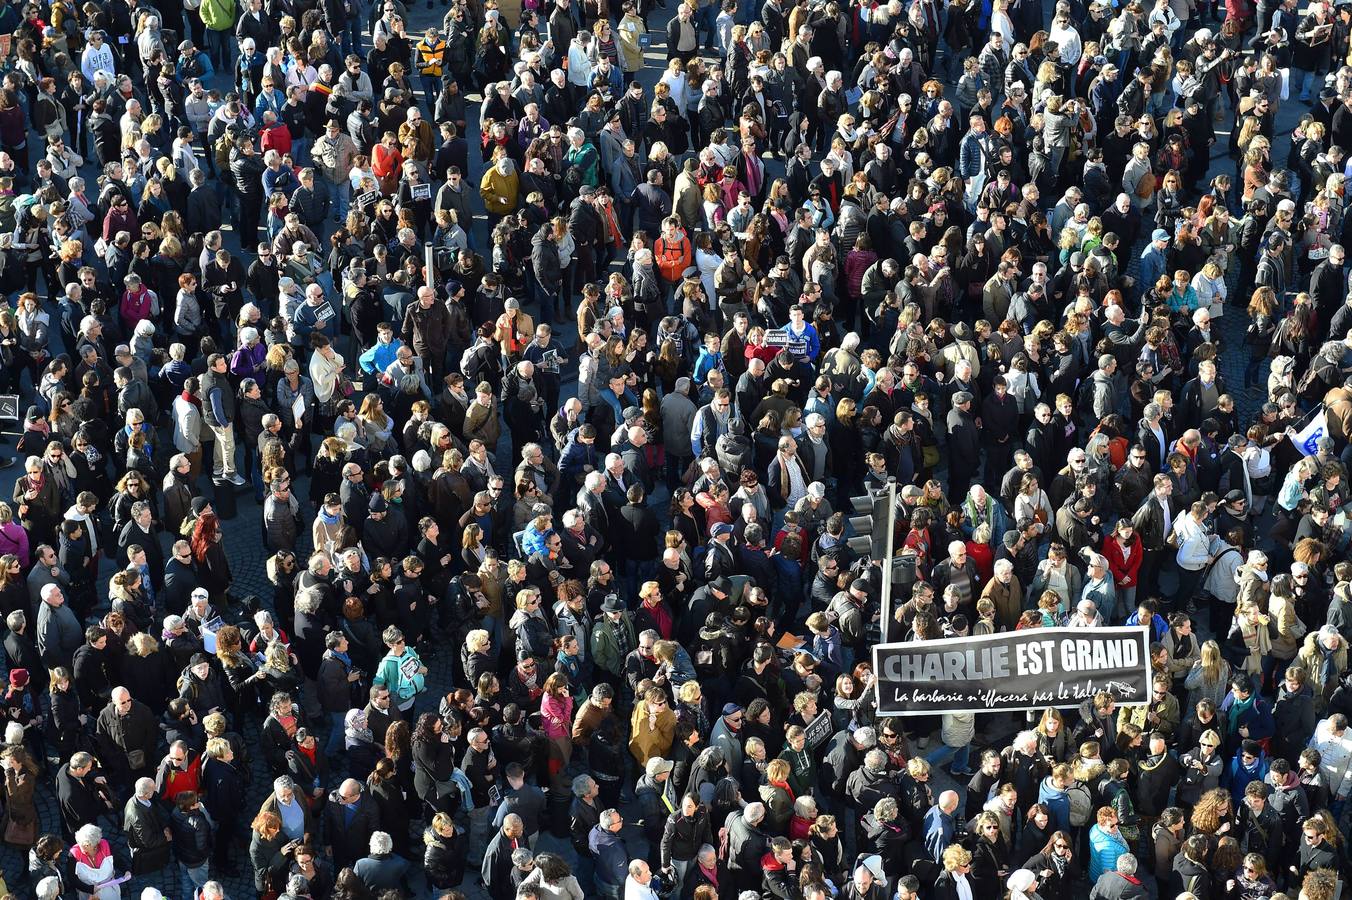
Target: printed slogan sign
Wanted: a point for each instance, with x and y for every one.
(1013, 671)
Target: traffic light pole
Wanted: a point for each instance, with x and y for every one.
(886, 615)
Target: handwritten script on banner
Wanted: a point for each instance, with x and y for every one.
(1013, 671)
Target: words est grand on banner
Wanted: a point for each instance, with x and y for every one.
(1013, 671)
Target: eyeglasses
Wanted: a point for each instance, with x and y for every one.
(1211, 746)
(1062, 846)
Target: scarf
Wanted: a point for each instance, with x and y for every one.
(1237, 711)
(1328, 667)
(327, 519)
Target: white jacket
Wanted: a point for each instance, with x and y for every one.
(1335, 753)
(187, 426)
(1193, 543)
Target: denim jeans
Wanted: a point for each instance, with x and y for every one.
(340, 199)
(335, 741)
(219, 49)
(195, 875)
(959, 755)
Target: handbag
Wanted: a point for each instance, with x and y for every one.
(929, 455)
(24, 834)
(136, 759)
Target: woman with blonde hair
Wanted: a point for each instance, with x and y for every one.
(1210, 676)
(446, 848)
(374, 425)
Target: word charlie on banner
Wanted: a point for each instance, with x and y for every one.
(1013, 671)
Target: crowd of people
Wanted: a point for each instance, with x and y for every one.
(554, 443)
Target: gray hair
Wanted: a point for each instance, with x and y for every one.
(88, 835)
(754, 812)
(283, 783)
(381, 843)
(145, 788)
(609, 817)
(582, 785)
(1126, 864)
(16, 621)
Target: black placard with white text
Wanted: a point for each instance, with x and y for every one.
(1013, 671)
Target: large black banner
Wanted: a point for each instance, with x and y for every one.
(1021, 670)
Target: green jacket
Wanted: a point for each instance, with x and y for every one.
(218, 15)
(605, 649)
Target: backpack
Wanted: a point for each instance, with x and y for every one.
(1081, 804)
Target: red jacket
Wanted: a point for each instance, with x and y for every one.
(1123, 569)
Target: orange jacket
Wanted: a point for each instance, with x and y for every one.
(672, 257)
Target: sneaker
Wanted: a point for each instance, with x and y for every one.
(236, 479)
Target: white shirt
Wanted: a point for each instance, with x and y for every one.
(635, 891)
(1068, 39)
(96, 59)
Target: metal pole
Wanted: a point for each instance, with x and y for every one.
(891, 524)
(429, 260)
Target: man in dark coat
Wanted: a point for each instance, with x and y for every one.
(496, 870)
(127, 733)
(1120, 884)
(350, 818)
(147, 827)
(964, 444)
(80, 791)
(1000, 429)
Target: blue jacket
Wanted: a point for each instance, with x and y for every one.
(1153, 265)
(1057, 802)
(1258, 718)
(938, 833)
(311, 318)
(268, 100)
(809, 337)
(283, 180)
(706, 363)
(1238, 776)
(378, 358)
(1104, 849)
(1158, 627)
(612, 857)
(576, 455)
(208, 71)
(971, 158)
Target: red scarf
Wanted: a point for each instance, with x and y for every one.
(195, 401)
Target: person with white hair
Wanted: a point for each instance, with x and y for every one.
(1086, 615)
(94, 864)
(1099, 587)
(383, 869)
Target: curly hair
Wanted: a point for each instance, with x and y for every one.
(1211, 810)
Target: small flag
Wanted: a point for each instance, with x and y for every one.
(1306, 438)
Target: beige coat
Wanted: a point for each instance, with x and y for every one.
(1290, 629)
(1008, 600)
